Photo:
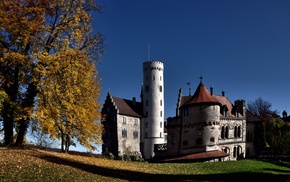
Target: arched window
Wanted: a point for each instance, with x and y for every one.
(237, 151)
(227, 132)
(124, 133)
(226, 150)
(135, 134)
(236, 132)
(223, 132)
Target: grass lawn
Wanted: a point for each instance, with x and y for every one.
(41, 165)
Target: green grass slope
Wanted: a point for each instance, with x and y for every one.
(41, 165)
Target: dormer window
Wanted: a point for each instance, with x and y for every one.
(186, 111)
(224, 110)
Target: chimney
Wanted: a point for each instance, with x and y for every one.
(211, 90)
(134, 101)
(223, 93)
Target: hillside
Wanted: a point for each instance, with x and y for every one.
(41, 165)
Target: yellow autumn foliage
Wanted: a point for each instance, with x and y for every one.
(68, 98)
(48, 57)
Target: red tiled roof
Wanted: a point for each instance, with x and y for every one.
(225, 102)
(202, 95)
(196, 156)
(128, 107)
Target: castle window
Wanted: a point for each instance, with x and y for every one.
(135, 134)
(211, 139)
(161, 124)
(160, 102)
(160, 113)
(237, 151)
(226, 150)
(236, 132)
(160, 134)
(146, 124)
(146, 113)
(160, 78)
(146, 134)
(147, 88)
(153, 77)
(124, 120)
(223, 132)
(136, 122)
(186, 111)
(224, 110)
(147, 102)
(160, 88)
(124, 133)
(227, 132)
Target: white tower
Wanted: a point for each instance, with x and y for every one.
(153, 107)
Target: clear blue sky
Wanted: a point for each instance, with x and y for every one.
(241, 46)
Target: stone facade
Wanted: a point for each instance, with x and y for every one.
(122, 123)
(206, 126)
(206, 122)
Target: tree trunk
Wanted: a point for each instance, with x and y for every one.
(62, 141)
(27, 103)
(8, 124)
(67, 143)
(9, 108)
(22, 132)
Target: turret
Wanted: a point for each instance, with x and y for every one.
(153, 107)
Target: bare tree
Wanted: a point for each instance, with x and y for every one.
(262, 109)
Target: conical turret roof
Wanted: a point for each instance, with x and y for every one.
(202, 96)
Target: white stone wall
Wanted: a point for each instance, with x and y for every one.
(229, 144)
(201, 122)
(130, 143)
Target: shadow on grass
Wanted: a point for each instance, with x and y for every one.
(141, 176)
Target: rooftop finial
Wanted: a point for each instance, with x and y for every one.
(188, 83)
(200, 78)
(148, 52)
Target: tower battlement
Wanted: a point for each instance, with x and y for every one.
(153, 65)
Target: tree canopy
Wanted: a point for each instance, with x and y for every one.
(48, 56)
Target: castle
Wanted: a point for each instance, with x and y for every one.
(206, 127)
